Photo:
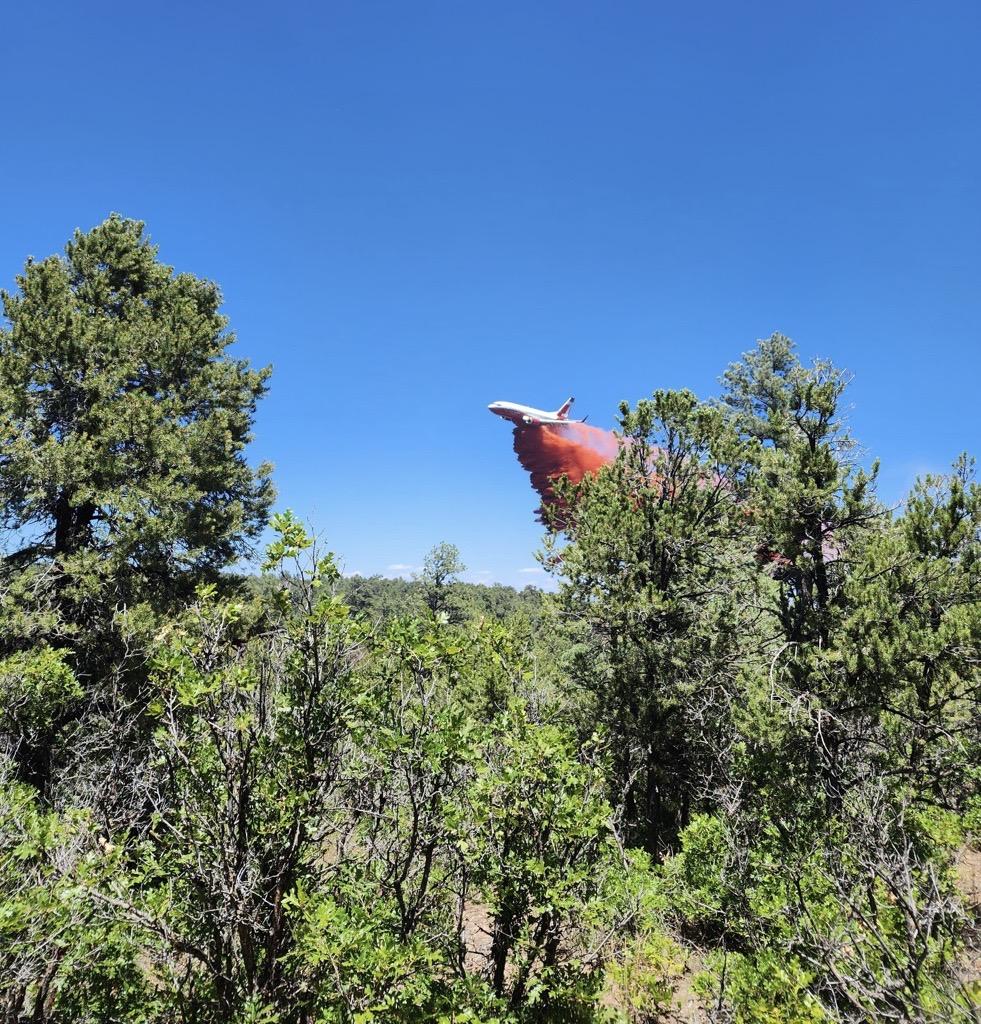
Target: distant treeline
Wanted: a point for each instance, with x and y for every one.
(384, 598)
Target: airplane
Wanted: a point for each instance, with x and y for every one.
(525, 415)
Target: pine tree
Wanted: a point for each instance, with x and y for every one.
(124, 421)
(656, 586)
(123, 429)
(814, 509)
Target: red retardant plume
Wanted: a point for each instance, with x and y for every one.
(552, 450)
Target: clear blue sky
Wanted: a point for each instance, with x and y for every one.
(416, 208)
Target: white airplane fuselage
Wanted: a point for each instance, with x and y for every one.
(526, 415)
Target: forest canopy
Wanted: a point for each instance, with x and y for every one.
(729, 769)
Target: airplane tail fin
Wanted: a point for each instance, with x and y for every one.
(563, 410)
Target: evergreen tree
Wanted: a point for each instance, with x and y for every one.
(656, 587)
(123, 424)
(814, 510)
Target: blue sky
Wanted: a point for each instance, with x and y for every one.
(414, 209)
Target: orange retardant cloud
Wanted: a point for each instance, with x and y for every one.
(575, 450)
(554, 450)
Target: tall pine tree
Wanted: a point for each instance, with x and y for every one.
(124, 423)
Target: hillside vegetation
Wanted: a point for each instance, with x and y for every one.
(732, 762)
